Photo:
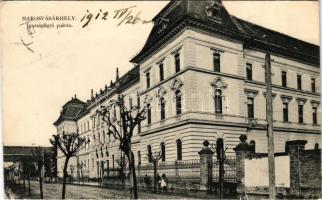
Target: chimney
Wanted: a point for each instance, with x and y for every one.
(117, 74)
(75, 96)
(92, 93)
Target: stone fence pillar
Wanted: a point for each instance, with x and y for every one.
(295, 149)
(243, 149)
(205, 166)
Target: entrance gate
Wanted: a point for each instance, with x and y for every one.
(224, 179)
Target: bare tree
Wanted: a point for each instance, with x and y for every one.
(69, 144)
(38, 157)
(27, 169)
(121, 125)
(154, 159)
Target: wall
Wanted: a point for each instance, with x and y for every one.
(256, 172)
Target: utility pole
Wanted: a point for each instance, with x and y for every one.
(270, 134)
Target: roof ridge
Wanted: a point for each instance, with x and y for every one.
(274, 31)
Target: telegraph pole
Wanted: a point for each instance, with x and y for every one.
(270, 134)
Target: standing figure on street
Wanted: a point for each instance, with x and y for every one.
(164, 182)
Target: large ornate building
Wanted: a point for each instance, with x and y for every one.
(203, 70)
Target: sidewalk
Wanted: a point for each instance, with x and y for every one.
(53, 191)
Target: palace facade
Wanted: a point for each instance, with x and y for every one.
(203, 70)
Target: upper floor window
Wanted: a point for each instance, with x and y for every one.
(178, 102)
(218, 101)
(300, 113)
(284, 79)
(314, 115)
(149, 153)
(161, 71)
(130, 102)
(162, 145)
(250, 107)
(313, 84)
(285, 112)
(216, 62)
(299, 82)
(177, 61)
(249, 71)
(139, 124)
(147, 80)
(179, 149)
(139, 157)
(252, 143)
(162, 108)
(149, 114)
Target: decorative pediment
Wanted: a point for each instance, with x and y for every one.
(286, 98)
(176, 84)
(147, 99)
(273, 94)
(161, 92)
(218, 83)
(315, 103)
(300, 100)
(251, 93)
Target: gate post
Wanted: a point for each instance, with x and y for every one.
(295, 149)
(243, 149)
(205, 166)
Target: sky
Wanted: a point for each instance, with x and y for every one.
(65, 61)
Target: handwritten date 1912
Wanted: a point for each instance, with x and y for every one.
(124, 15)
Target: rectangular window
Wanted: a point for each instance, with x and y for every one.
(161, 72)
(177, 61)
(139, 124)
(147, 80)
(250, 107)
(299, 82)
(285, 112)
(249, 72)
(314, 115)
(284, 79)
(162, 109)
(130, 102)
(149, 115)
(300, 113)
(313, 84)
(216, 62)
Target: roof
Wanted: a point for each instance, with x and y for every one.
(14, 153)
(71, 110)
(190, 13)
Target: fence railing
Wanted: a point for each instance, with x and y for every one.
(187, 169)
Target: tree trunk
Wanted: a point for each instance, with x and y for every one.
(24, 181)
(155, 176)
(65, 177)
(29, 190)
(40, 183)
(133, 187)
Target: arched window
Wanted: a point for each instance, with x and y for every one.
(218, 101)
(162, 145)
(253, 145)
(179, 149)
(162, 108)
(316, 146)
(106, 152)
(149, 153)
(178, 102)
